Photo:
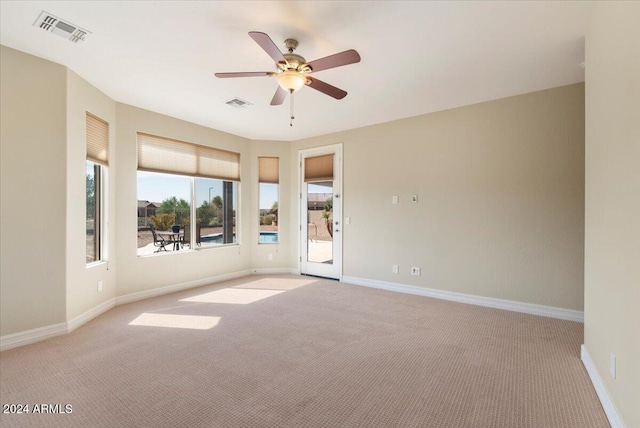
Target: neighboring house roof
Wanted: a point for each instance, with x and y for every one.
(319, 197)
(316, 201)
(147, 204)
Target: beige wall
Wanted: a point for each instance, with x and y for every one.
(33, 192)
(82, 291)
(135, 273)
(612, 217)
(501, 198)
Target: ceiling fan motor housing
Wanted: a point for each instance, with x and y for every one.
(296, 62)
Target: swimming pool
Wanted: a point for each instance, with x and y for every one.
(268, 237)
(265, 238)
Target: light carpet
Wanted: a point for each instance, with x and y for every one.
(295, 351)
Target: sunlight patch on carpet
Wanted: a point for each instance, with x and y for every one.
(193, 322)
(233, 296)
(277, 283)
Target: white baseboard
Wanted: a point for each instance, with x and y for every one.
(89, 315)
(490, 302)
(609, 408)
(141, 295)
(38, 334)
(273, 271)
(22, 338)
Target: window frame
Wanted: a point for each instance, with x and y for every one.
(235, 206)
(235, 187)
(97, 248)
(158, 154)
(97, 153)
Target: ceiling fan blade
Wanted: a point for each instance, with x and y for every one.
(336, 60)
(246, 74)
(267, 44)
(326, 88)
(279, 96)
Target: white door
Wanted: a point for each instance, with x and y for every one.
(321, 211)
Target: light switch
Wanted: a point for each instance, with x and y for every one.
(394, 199)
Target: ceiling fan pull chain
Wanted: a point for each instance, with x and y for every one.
(291, 104)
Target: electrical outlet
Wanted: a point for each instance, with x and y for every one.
(99, 285)
(415, 271)
(270, 257)
(394, 199)
(612, 364)
(394, 268)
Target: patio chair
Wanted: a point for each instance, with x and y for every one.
(159, 241)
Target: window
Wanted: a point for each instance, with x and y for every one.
(268, 182)
(190, 188)
(95, 171)
(163, 200)
(215, 212)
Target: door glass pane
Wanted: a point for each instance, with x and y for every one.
(320, 222)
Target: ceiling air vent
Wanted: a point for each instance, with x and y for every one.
(65, 29)
(238, 103)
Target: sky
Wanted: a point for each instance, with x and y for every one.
(155, 187)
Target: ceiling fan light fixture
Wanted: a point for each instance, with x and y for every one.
(291, 81)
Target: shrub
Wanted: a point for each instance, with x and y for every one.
(267, 220)
(162, 221)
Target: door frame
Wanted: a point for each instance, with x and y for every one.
(336, 150)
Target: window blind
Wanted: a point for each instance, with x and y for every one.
(268, 170)
(97, 140)
(159, 154)
(318, 168)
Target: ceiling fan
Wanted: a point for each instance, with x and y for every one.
(292, 70)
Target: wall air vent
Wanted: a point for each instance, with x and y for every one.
(65, 29)
(238, 103)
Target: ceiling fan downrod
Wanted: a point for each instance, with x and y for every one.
(291, 45)
(291, 105)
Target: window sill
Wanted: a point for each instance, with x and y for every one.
(188, 250)
(164, 253)
(96, 264)
(208, 247)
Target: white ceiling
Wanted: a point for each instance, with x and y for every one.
(417, 57)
